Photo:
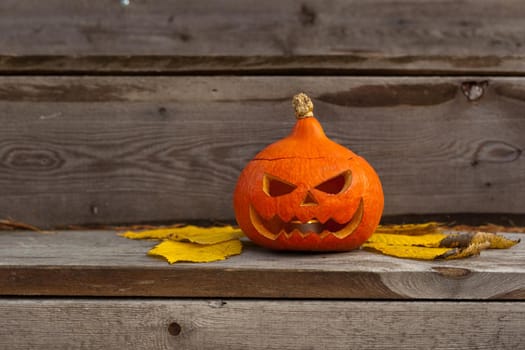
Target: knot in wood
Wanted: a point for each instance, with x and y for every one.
(474, 90)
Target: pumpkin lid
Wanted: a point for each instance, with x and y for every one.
(307, 139)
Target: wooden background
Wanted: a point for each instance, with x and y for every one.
(147, 112)
(135, 111)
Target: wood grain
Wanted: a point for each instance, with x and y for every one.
(256, 324)
(100, 263)
(180, 36)
(88, 150)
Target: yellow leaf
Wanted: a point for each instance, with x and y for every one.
(410, 229)
(206, 235)
(415, 241)
(161, 233)
(437, 245)
(407, 251)
(195, 234)
(427, 240)
(175, 251)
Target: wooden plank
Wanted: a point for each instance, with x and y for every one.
(79, 150)
(99, 263)
(382, 36)
(236, 324)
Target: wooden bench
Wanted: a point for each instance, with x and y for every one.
(94, 289)
(125, 112)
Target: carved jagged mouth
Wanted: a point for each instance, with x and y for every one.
(276, 227)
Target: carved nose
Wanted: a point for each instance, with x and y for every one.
(309, 200)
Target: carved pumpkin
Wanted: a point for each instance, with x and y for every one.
(306, 192)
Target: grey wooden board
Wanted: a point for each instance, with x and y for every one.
(100, 263)
(77, 150)
(466, 36)
(256, 324)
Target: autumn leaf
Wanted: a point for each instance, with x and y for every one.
(192, 243)
(410, 229)
(437, 245)
(190, 233)
(407, 251)
(493, 240)
(490, 228)
(426, 241)
(174, 251)
(10, 224)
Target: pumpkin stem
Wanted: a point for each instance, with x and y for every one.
(303, 106)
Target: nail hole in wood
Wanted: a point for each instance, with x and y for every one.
(94, 209)
(174, 328)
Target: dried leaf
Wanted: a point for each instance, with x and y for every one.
(407, 251)
(195, 234)
(490, 228)
(471, 250)
(410, 229)
(193, 243)
(10, 224)
(426, 240)
(495, 241)
(415, 241)
(159, 233)
(437, 245)
(175, 251)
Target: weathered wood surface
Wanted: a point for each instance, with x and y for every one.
(376, 36)
(100, 263)
(236, 324)
(77, 150)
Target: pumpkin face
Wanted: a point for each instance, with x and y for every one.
(306, 192)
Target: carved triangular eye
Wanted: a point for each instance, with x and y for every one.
(275, 187)
(336, 184)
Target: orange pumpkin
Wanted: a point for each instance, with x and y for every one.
(306, 192)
